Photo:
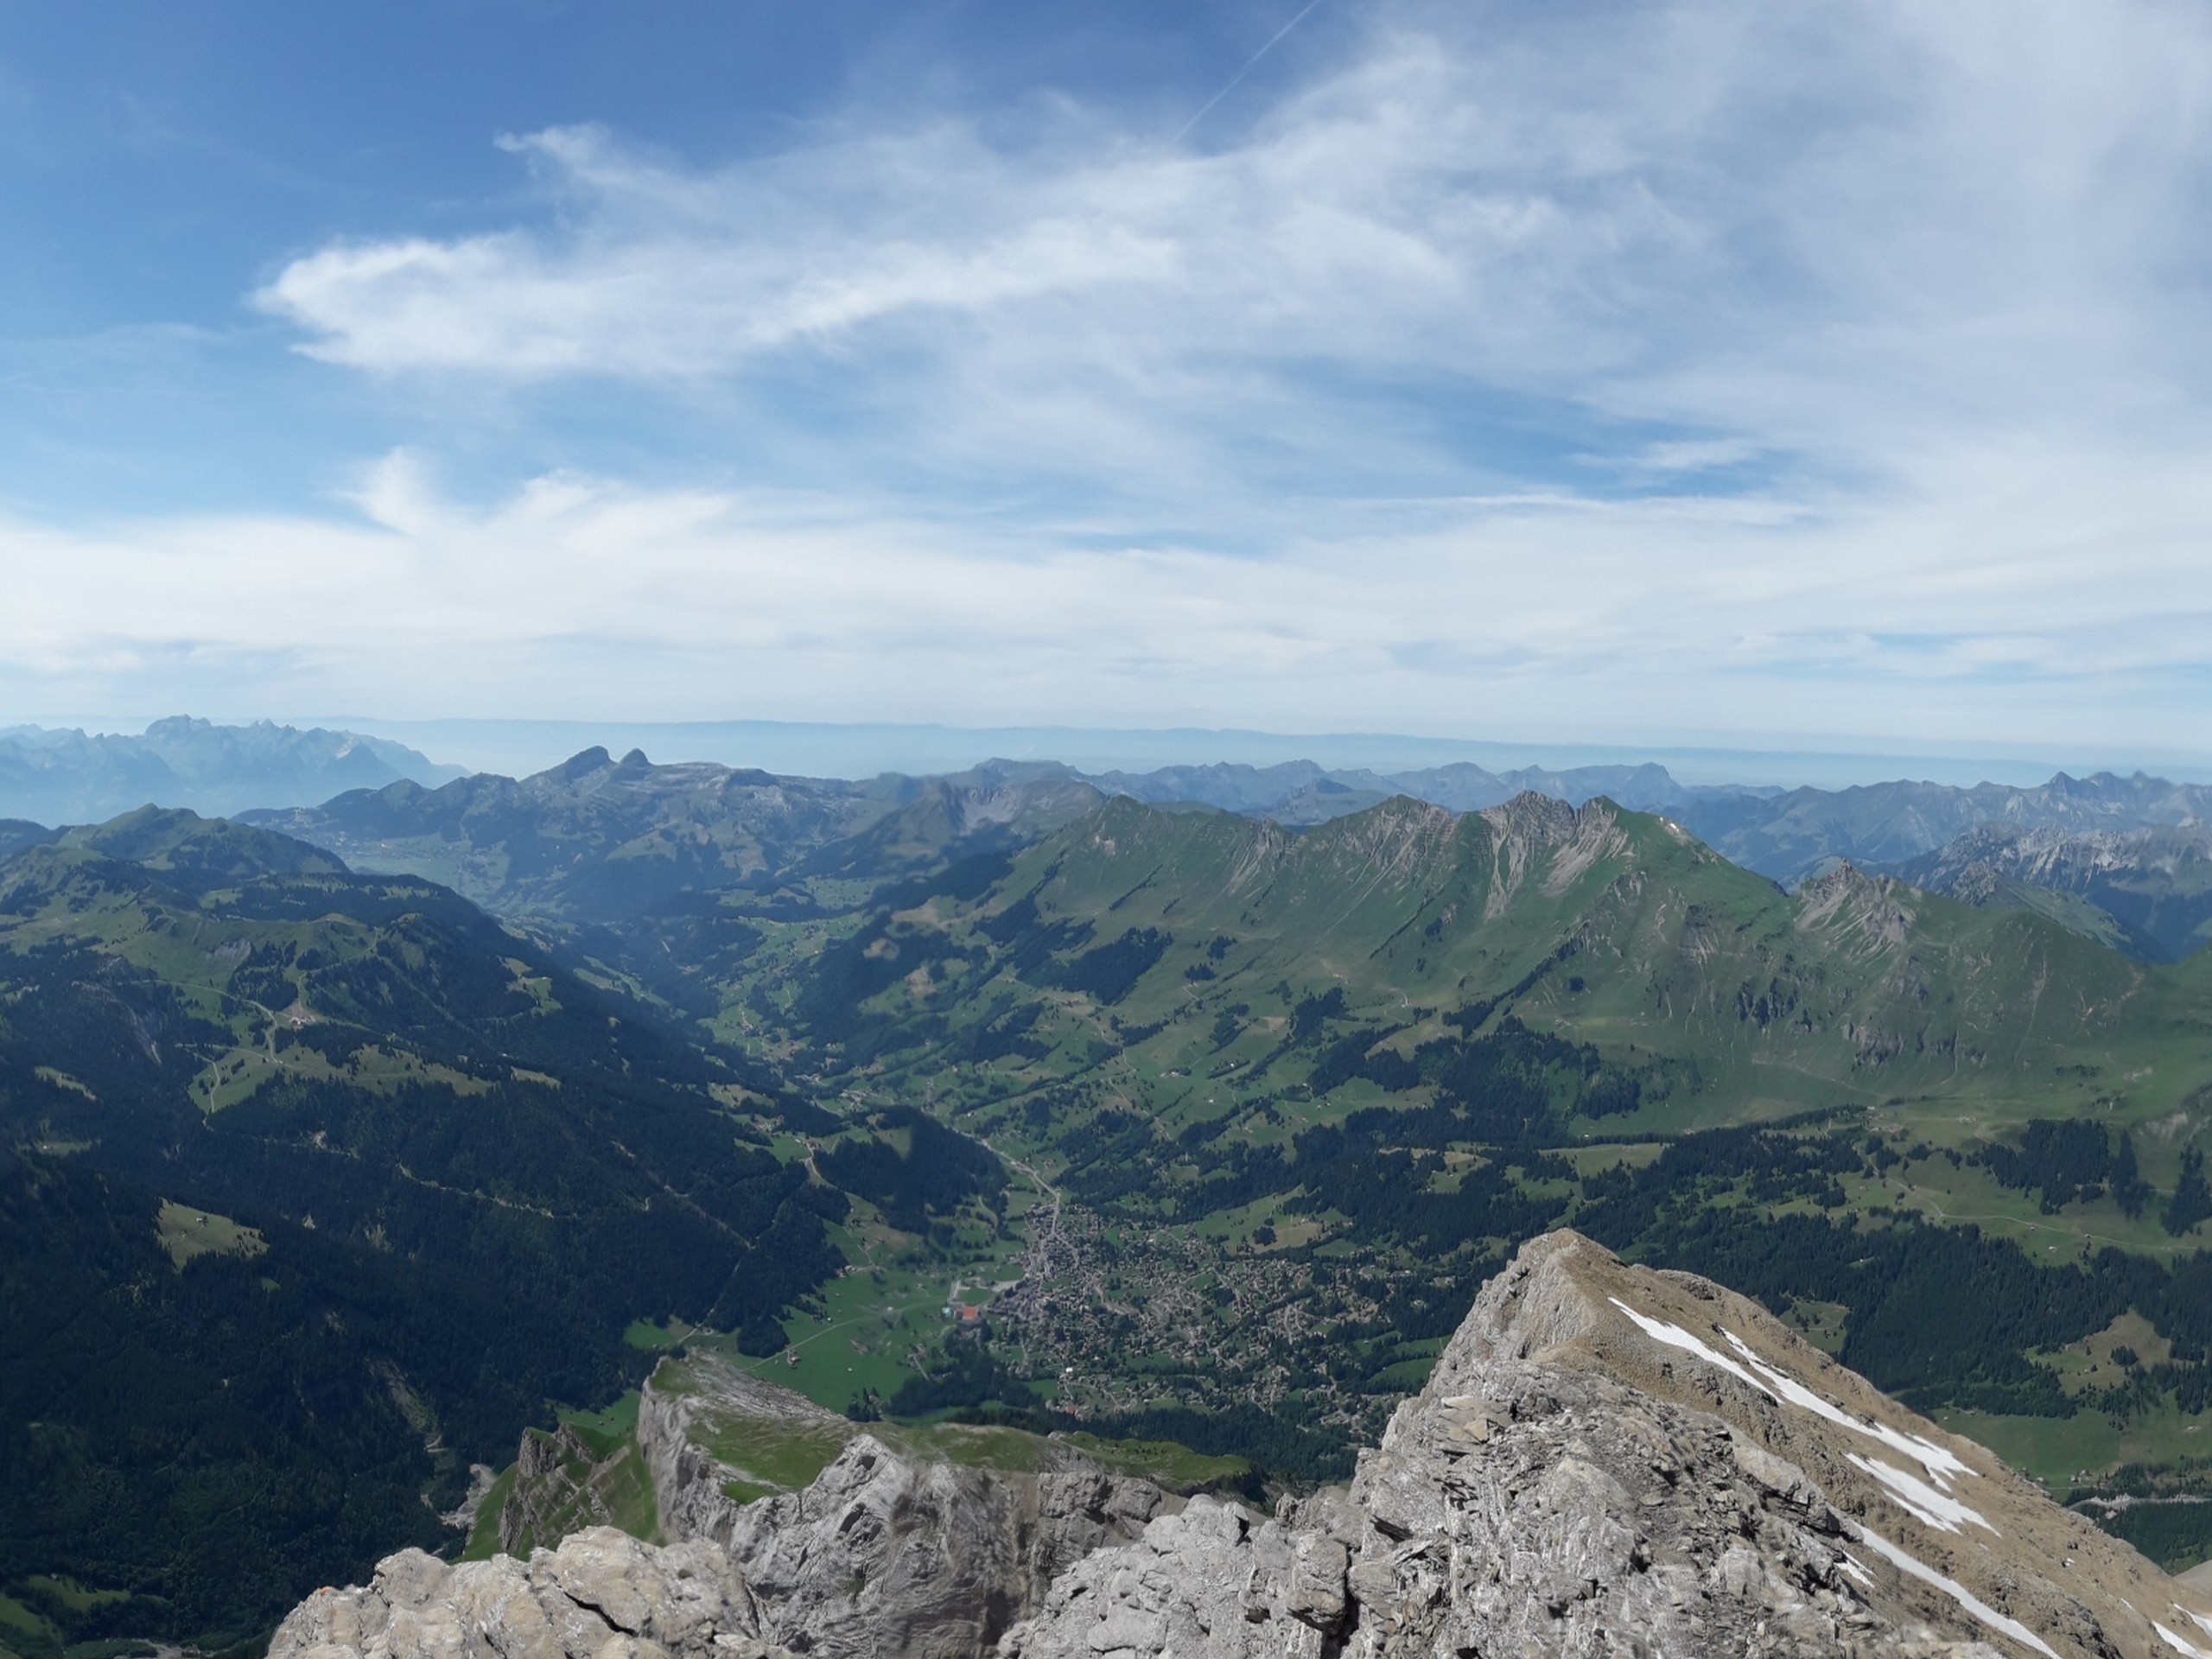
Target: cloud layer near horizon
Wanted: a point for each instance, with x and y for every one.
(1546, 615)
(1705, 366)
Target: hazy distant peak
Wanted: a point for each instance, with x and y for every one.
(71, 777)
(580, 765)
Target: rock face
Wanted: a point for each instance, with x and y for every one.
(602, 1595)
(676, 1429)
(885, 1555)
(1608, 1460)
(558, 1478)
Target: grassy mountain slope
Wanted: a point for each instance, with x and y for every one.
(320, 1186)
(1718, 995)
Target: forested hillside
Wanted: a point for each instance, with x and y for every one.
(317, 1188)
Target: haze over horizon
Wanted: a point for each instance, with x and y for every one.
(861, 749)
(1676, 377)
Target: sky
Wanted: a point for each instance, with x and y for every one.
(1680, 372)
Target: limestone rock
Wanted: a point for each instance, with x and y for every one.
(601, 1595)
(886, 1555)
(1609, 1460)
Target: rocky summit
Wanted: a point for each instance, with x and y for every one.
(1606, 1460)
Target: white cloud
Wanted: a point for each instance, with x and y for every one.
(1928, 273)
(1711, 183)
(577, 596)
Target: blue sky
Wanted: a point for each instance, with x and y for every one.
(1681, 372)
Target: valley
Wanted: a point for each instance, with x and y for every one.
(1009, 1113)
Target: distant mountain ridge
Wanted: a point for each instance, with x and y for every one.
(1789, 837)
(1786, 835)
(57, 777)
(1299, 792)
(601, 843)
(2150, 888)
(598, 839)
(598, 842)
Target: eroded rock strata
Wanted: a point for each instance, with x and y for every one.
(1607, 1461)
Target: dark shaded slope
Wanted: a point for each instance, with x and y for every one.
(462, 1173)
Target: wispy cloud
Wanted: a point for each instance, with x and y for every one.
(576, 596)
(1885, 321)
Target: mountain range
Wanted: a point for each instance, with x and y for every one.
(65, 776)
(1331, 1068)
(2136, 890)
(2147, 891)
(2118, 859)
(341, 1147)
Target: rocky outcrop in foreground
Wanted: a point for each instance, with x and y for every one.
(1608, 1460)
(602, 1595)
(885, 1554)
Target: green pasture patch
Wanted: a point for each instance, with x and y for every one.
(778, 1453)
(869, 1321)
(1165, 1463)
(1970, 1196)
(653, 1338)
(604, 1429)
(536, 987)
(1822, 1323)
(386, 1071)
(1402, 1376)
(1590, 1160)
(236, 1075)
(1235, 1227)
(26, 1625)
(973, 1447)
(484, 1536)
(68, 1592)
(62, 1080)
(2067, 1451)
(113, 1647)
(2086, 1366)
(188, 1234)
